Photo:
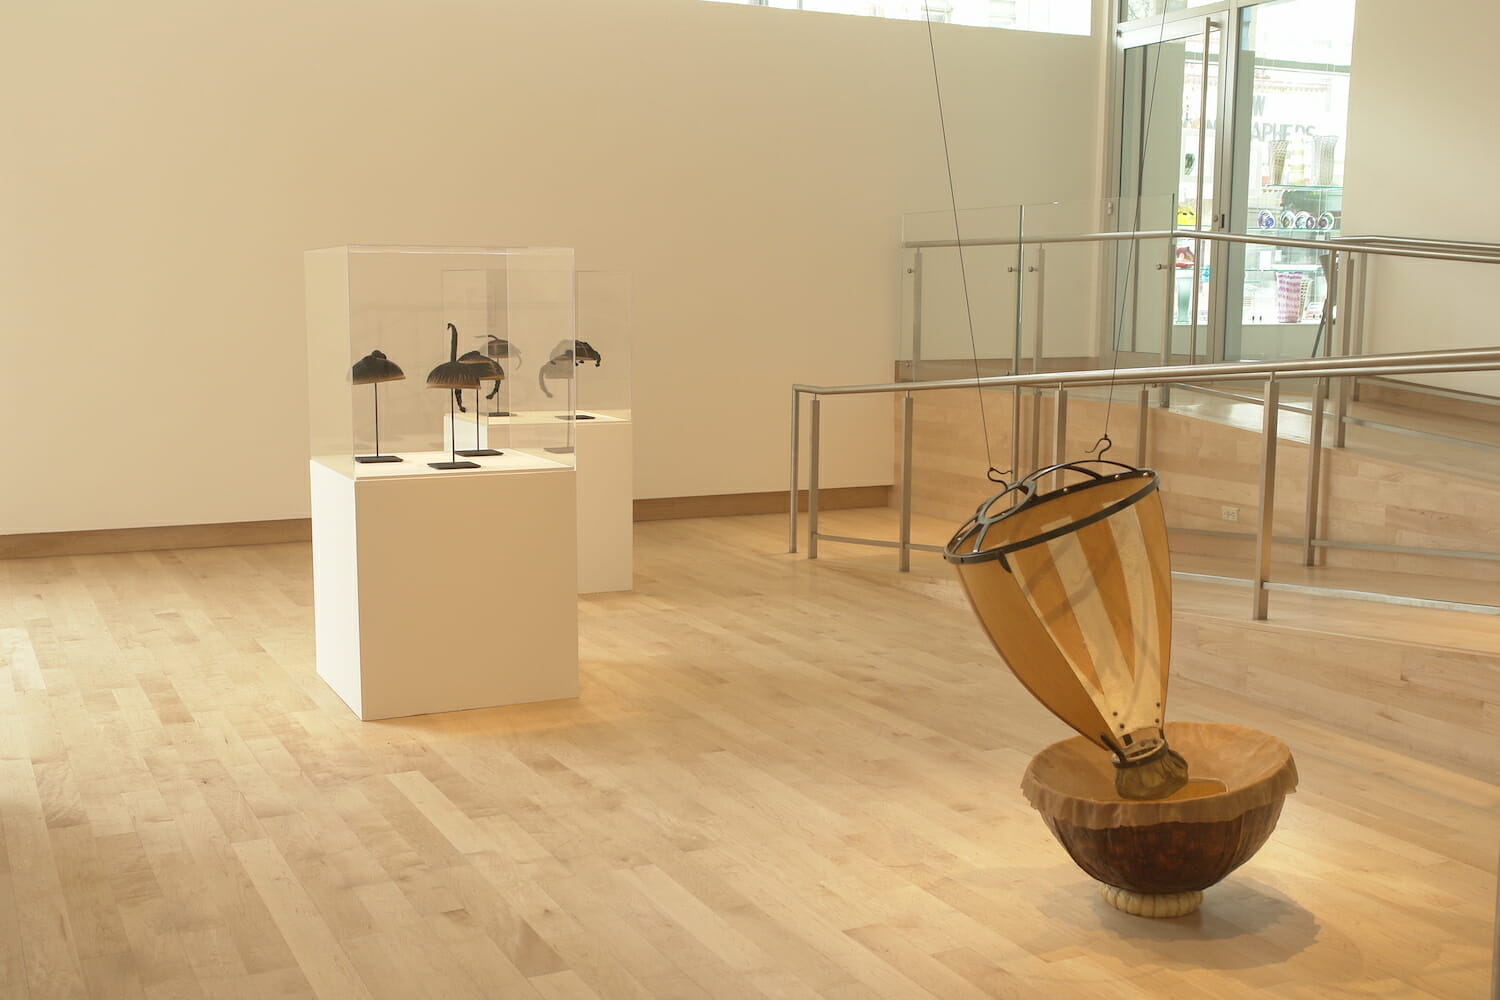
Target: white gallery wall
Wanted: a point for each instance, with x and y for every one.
(1421, 162)
(168, 161)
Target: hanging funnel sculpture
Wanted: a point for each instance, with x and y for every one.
(1074, 587)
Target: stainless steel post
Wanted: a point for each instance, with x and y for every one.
(1039, 340)
(1034, 456)
(1341, 393)
(1015, 430)
(903, 563)
(1036, 354)
(1020, 269)
(1333, 318)
(1142, 424)
(916, 316)
(1346, 302)
(1359, 303)
(1355, 289)
(1263, 533)
(1314, 472)
(1015, 354)
(1169, 300)
(814, 443)
(791, 518)
(1059, 434)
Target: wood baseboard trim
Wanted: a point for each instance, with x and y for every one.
(172, 536)
(41, 544)
(728, 504)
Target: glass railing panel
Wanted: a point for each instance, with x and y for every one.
(1061, 314)
(1397, 510)
(1408, 506)
(960, 286)
(1138, 283)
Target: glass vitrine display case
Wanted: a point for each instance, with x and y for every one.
(444, 521)
(415, 359)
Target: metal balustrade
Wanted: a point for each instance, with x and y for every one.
(1336, 375)
(1271, 374)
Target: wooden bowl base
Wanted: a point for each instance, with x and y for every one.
(1147, 904)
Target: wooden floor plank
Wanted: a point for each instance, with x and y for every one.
(782, 778)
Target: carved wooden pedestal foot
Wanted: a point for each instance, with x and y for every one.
(1144, 904)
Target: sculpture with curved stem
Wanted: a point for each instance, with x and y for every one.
(453, 374)
(488, 369)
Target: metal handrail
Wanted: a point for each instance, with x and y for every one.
(1414, 363)
(1346, 285)
(1274, 373)
(1456, 246)
(1211, 235)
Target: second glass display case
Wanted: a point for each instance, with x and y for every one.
(417, 359)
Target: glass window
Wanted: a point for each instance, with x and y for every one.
(1289, 169)
(1135, 10)
(1063, 17)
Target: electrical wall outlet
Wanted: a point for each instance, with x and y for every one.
(1227, 513)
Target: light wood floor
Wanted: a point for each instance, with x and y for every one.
(783, 779)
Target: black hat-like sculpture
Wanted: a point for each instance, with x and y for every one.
(373, 369)
(453, 374)
(489, 370)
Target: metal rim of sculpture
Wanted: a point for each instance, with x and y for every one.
(968, 544)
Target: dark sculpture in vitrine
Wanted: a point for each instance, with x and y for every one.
(567, 355)
(371, 370)
(489, 370)
(455, 375)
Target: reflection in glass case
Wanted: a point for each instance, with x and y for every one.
(586, 378)
(598, 377)
(602, 387)
(380, 317)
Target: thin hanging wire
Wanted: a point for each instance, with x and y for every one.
(993, 474)
(1104, 443)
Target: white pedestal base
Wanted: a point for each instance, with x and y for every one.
(440, 592)
(606, 514)
(603, 447)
